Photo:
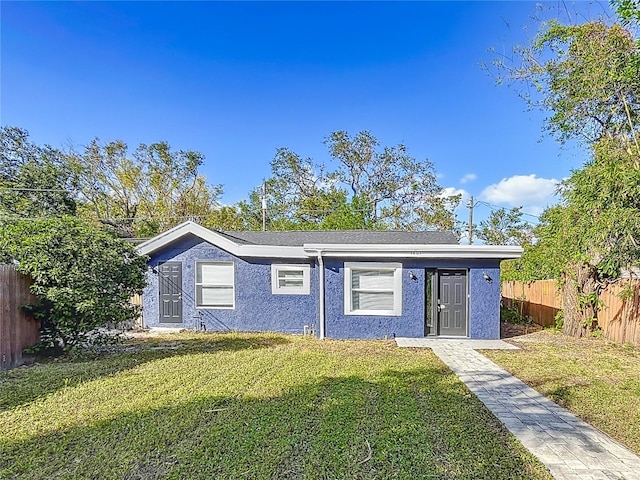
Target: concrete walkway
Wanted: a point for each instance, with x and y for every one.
(569, 447)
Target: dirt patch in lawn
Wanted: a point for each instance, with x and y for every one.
(510, 330)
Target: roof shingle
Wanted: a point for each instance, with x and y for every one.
(356, 237)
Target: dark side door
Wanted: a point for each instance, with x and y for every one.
(452, 302)
(170, 287)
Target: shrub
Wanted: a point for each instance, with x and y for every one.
(512, 314)
(83, 275)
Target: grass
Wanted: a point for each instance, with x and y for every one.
(598, 381)
(252, 406)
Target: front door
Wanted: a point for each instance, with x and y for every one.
(452, 302)
(170, 286)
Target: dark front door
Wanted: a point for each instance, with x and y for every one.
(170, 286)
(452, 302)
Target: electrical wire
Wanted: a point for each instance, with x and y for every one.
(20, 189)
(494, 208)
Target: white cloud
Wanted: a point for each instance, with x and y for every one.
(451, 191)
(522, 190)
(468, 178)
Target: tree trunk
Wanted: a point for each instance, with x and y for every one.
(580, 293)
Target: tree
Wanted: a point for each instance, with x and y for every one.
(83, 276)
(144, 193)
(585, 76)
(547, 257)
(34, 181)
(110, 184)
(600, 222)
(588, 78)
(628, 10)
(398, 191)
(223, 218)
(505, 227)
(370, 188)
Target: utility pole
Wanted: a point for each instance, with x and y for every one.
(264, 206)
(470, 205)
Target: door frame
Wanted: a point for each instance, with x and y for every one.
(431, 299)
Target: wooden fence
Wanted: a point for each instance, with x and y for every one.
(620, 319)
(134, 323)
(17, 329)
(541, 300)
(137, 300)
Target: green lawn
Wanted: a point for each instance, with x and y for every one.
(599, 381)
(251, 406)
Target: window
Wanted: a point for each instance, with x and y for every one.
(373, 289)
(215, 285)
(430, 294)
(290, 279)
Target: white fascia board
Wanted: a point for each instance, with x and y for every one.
(180, 231)
(502, 252)
(328, 250)
(262, 251)
(270, 251)
(173, 234)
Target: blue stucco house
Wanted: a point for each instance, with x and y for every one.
(337, 284)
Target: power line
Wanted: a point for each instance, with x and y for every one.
(498, 207)
(215, 214)
(20, 189)
(471, 205)
(274, 216)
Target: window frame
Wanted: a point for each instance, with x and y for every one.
(349, 267)
(276, 289)
(232, 284)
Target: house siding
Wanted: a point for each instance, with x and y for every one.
(256, 308)
(484, 301)
(483, 306)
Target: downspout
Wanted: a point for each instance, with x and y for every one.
(321, 293)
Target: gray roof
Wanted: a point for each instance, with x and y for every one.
(352, 237)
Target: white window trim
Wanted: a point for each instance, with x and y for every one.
(196, 285)
(397, 288)
(306, 274)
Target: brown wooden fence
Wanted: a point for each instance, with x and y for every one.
(620, 319)
(541, 300)
(136, 322)
(17, 329)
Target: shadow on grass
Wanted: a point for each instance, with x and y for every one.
(419, 423)
(562, 395)
(561, 390)
(24, 385)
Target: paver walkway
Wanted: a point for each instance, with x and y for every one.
(569, 447)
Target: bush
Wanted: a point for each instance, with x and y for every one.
(512, 314)
(83, 275)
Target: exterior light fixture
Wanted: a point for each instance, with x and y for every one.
(486, 276)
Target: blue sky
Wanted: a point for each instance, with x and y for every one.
(236, 80)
